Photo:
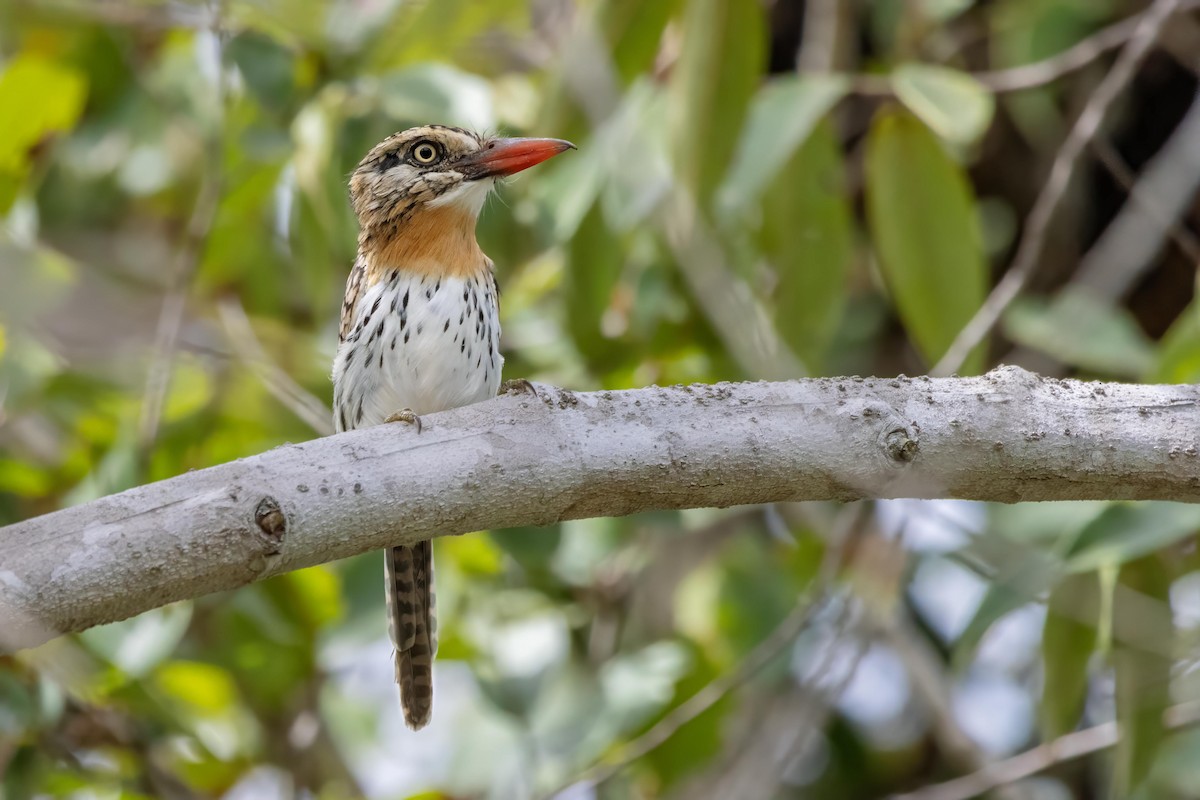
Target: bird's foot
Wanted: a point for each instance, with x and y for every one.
(405, 415)
(518, 386)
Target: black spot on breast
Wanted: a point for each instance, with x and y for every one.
(393, 343)
(406, 334)
(446, 327)
(404, 302)
(419, 327)
(428, 294)
(462, 346)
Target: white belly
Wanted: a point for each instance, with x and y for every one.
(422, 343)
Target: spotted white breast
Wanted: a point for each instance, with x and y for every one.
(419, 342)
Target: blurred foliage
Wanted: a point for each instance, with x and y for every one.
(726, 217)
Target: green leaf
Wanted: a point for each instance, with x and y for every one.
(711, 86)
(1068, 640)
(596, 263)
(426, 92)
(956, 106)
(1081, 331)
(1179, 349)
(781, 117)
(807, 236)
(1129, 530)
(139, 644)
(203, 688)
(50, 97)
(1143, 633)
(633, 29)
(922, 219)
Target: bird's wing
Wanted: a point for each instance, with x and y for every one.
(355, 285)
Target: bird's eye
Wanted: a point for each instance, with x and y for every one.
(426, 153)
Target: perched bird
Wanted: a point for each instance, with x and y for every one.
(420, 328)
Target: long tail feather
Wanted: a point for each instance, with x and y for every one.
(412, 627)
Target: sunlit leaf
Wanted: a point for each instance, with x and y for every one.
(1069, 638)
(318, 594)
(474, 555)
(956, 106)
(204, 688)
(50, 97)
(923, 222)
(1142, 655)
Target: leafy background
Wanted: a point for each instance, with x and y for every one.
(762, 190)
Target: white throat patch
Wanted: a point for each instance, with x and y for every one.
(468, 195)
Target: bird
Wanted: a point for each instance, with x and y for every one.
(420, 328)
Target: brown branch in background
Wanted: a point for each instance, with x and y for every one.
(171, 316)
(763, 654)
(1029, 250)
(819, 48)
(123, 14)
(307, 407)
(1187, 242)
(1041, 758)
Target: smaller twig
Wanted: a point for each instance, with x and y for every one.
(818, 50)
(1148, 28)
(1187, 242)
(282, 386)
(1038, 759)
(1038, 73)
(171, 316)
(762, 654)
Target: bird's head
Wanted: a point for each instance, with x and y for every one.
(437, 167)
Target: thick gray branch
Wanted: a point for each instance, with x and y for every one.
(1008, 436)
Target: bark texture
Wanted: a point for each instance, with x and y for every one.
(1008, 436)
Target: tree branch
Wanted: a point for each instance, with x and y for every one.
(1007, 436)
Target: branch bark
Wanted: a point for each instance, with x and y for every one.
(1008, 436)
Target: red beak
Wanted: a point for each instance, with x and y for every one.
(501, 157)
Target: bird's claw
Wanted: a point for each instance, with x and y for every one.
(518, 386)
(405, 415)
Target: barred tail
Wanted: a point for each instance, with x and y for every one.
(412, 626)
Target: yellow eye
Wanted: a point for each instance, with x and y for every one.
(425, 152)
